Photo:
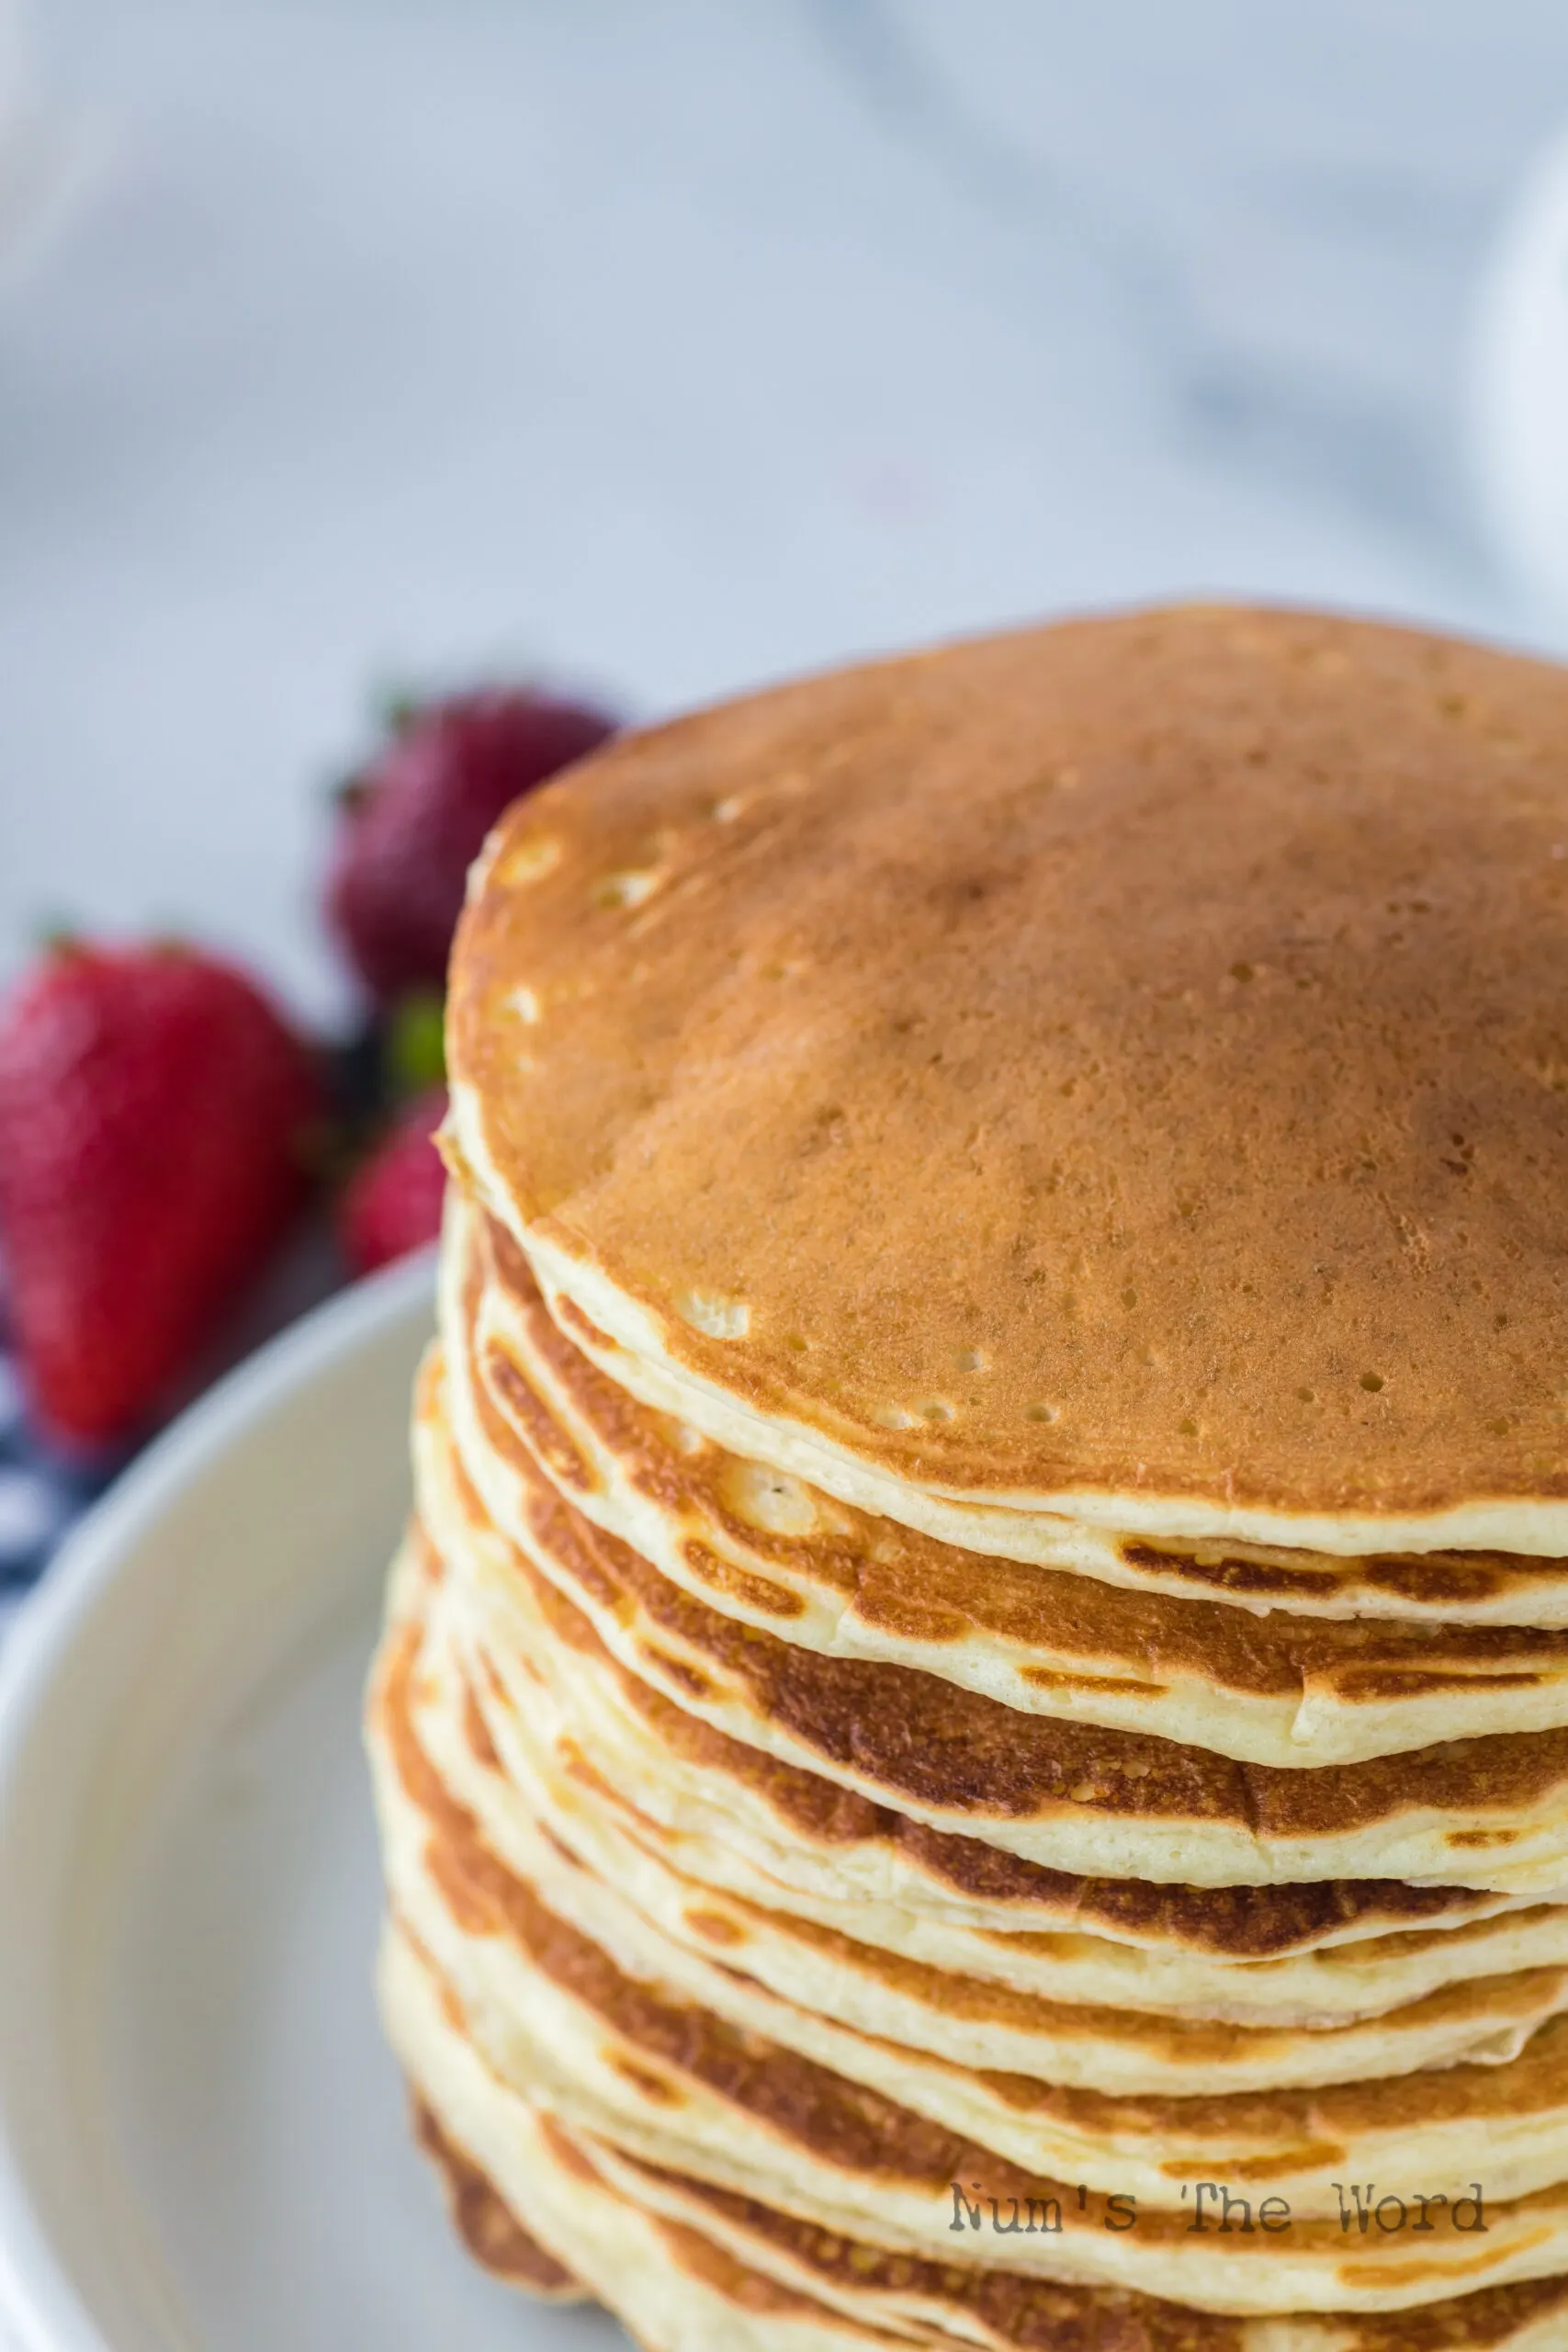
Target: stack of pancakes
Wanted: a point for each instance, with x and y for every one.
(973, 1734)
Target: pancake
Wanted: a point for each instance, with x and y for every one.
(758, 2123)
(544, 2002)
(971, 1742)
(1110, 1072)
(1432, 1588)
(494, 1920)
(1488, 1813)
(488, 2227)
(764, 1547)
(773, 1823)
(1175, 1554)
(964, 2021)
(690, 1892)
(1330, 1959)
(693, 2269)
(693, 1893)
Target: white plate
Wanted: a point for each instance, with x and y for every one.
(202, 2141)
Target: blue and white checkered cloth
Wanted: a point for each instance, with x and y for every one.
(42, 1491)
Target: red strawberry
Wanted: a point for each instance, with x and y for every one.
(152, 1109)
(392, 1205)
(418, 816)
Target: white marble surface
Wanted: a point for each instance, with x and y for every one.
(675, 345)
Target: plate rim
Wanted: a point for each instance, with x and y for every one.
(39, 2299)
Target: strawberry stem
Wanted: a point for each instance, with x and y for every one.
(414, 1052)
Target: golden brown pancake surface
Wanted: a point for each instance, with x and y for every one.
(1125, 1059)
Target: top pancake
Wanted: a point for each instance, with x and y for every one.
(1117, 1068)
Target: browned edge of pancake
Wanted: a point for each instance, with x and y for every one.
(929, 1590)
(947, 1748)
(487, 2226)
(1240, 1923)
(859, 2129)
(1031, 2313)
(1041, 2316)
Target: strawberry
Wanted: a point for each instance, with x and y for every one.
(416, 817)
(392, 1205)
(152, 1106)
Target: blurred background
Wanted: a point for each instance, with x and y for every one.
(669, 347)
(656, 350)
